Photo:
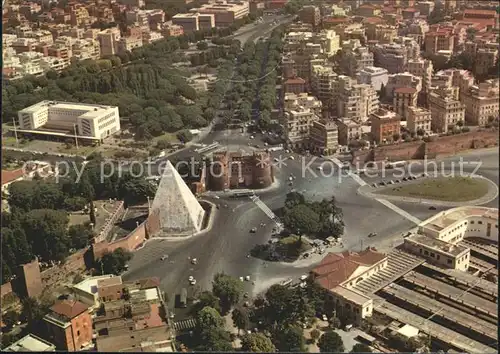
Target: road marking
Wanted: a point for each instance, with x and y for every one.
(388, 204)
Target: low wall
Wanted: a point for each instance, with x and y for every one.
(110, 221)
(417, 150)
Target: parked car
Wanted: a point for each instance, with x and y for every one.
(253, 230)
(432, 208)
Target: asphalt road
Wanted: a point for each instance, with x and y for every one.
(226, 246)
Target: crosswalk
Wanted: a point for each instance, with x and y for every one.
(185, 325)
(262, 206)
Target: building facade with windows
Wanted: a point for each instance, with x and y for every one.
(81, 119)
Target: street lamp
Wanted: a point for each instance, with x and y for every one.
(76, 137)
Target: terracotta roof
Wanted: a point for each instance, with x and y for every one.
(405, 90)
(479, 12)
(373, 20)
(410, 9)
(69, 308)
(336, 268)
(297, 80)
(11, 176)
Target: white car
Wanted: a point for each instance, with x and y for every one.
(194, 261)
(193, 282)
(320, 168)
(324, 318)
(247, 278)
(191, 278)
(291, 158)
(217, 197)
(303, 277)
(241, 279)
(164, 257)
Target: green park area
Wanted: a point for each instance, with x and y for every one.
(448, 189)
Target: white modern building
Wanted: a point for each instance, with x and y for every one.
(86, 291)
(31, 343)
(72, 119)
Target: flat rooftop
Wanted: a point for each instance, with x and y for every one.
(351, 295)
(437, 245)
(90, 285)
(449, 217)
(67, 106)
(31, 343)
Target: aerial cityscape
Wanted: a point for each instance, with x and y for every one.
(253, 176)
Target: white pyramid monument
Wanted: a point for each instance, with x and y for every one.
(178, 209)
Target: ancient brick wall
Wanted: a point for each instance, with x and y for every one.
(73, 264)
(451, 144)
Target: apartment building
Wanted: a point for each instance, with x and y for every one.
(404, 79)
(329, 41)
(461, 79)
(310, 14)
(324, 138)
(293, 100)
(394, 56)
(109, 40)
(422, 68)
(426, 7)
(356, 60)
(129, 43)
(348, 130)
(86, 120)
(481, 103)
(485, 59)
(386, 125)
(446, 109)
(294, 85)
(171, 30)
(324, 84)
(298, 122)
(440, 39)
(356, 101)
(419, 121)
(225, 12)
(404, 98)
(69, 325)
(374, 76)
(383, 34)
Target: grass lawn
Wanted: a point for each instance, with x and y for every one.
(10, 141)
(449, 189)
(82, 150)
(170, 137)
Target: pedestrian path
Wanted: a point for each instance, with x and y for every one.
(184, 325)
(262, 206)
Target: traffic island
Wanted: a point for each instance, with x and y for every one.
(445, 191)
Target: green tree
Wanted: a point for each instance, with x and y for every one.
(361, 348)
(208, 318)
(207, 299)
(113, 263)
(331, 342)
(216, 340)
(228, 290)
(137, 191)
(240, 318)
(257, 343)
(301, 219)
(290, 339)
(32, 311)
(80, 236)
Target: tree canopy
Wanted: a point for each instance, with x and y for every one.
(331, 342)
(228, 290)
(257, 343)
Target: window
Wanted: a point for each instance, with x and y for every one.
(426, 253)
(472, 222)
(77, 333)
(448, 261)
(438, 256)
(480, 222)
(432, 255)
(420, 250)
